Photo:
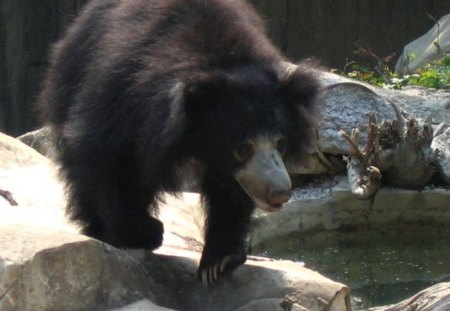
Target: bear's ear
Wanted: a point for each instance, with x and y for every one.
(300, 87)
(300, 90)
(201, 93)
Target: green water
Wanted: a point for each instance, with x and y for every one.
(379, 268)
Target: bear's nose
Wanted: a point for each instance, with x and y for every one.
(279, 196)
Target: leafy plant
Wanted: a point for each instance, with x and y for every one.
(433, 75)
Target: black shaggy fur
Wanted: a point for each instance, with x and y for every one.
(137, 88)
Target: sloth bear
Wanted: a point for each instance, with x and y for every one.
(136, 89)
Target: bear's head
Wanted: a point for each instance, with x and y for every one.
(247, 122)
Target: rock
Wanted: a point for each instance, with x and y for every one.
(40, 141)
(259, 279)
(435, 298)
(46, 269)
(271, 304)
(46, 265)
(31, 179)
(142, 305)
(328, 206)
(16, 154)
(442, 143)
(419, 102)
(424, 48)
(348, 104)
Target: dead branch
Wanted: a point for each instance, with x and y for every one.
(363, 177)
(400, 148)
(8, 196)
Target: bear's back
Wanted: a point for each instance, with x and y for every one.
(182, 34)
(116, 49)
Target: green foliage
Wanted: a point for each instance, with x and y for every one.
(377, 75)
(434, 75)
(411, 57)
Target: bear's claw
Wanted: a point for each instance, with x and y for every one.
(210, 274)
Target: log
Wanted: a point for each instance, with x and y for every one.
(435, 298)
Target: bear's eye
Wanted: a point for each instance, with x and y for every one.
(281, 145)
(244, 151)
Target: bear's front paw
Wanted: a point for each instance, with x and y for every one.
(209, 273)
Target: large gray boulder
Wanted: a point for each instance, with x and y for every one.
(47, 269)
(348, 105)
(328, 206)
(427, 48)
(434, 298)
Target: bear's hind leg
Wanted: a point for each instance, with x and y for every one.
(127, 220)
(134, 229)
(113, 211)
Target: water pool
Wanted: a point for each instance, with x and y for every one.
(379, 267)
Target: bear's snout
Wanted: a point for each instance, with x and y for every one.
(265, 178)
(278, 196)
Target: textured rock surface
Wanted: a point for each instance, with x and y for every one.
(424, 48)
(442, 142)
(435, 298)
(142, 305)
(348, 105)
(45, 269)
(258, 279)
(329, 206)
